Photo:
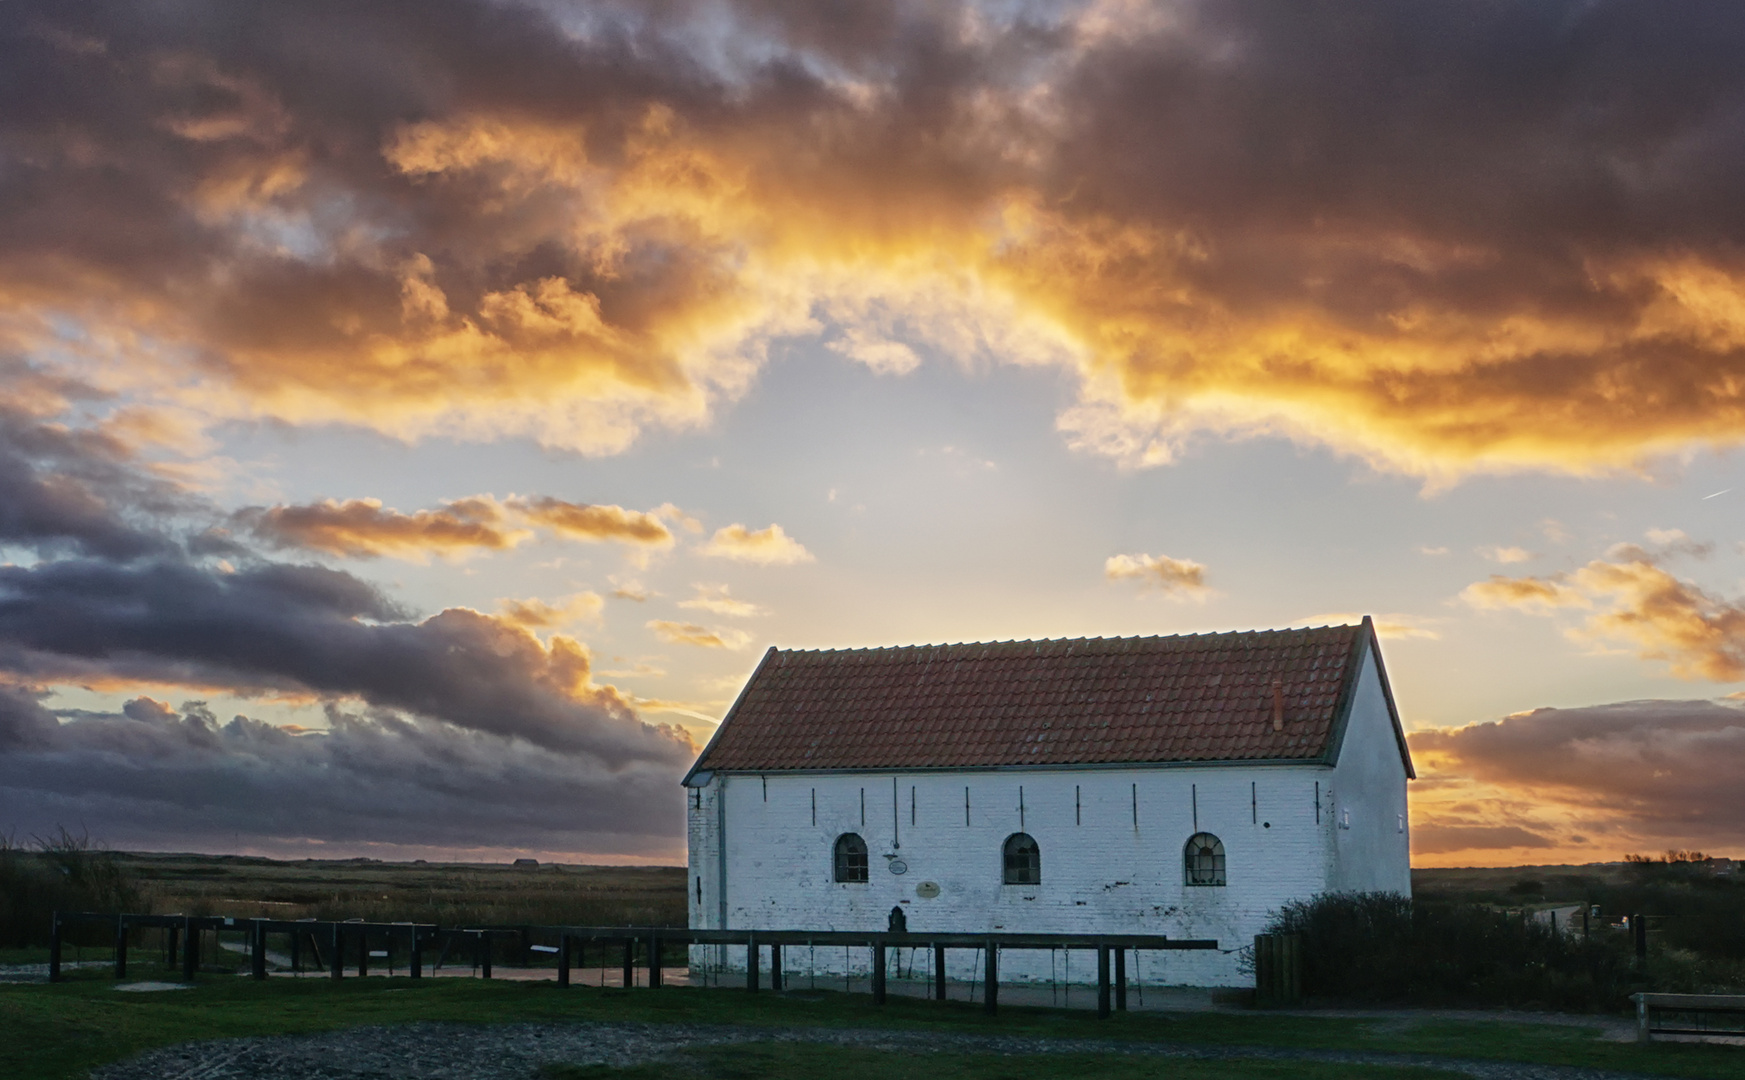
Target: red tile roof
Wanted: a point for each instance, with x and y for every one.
(1201, 697)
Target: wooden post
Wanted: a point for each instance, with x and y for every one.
(296, 952)
(563, 961)
(190, 950)
(1642, 1033)
(629, 963)
(1121, 980)
(526, 944)
(991, 991)
(1102, 982)
(363, 952)
(775, 966)
(938, 973)
(1639, 930)
(54, 948)
(878, 972)
(415, 954)
(336, 953)
(257, 948)
(751, 962)
(121, 946)
(654, 962)
(171, 934)
(484, 954)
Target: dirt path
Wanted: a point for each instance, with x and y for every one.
(515, 1052)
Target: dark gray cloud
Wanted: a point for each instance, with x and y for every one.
(1669, 773)
(290, 628)
(156, 778)
(71, 489)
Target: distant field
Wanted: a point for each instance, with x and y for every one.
(448, 893)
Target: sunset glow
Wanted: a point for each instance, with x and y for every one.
(417, 418)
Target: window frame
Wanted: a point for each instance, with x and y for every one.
(847, 847)
(1032, 870)
(1194, 873)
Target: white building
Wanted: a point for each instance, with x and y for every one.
(1184, 785)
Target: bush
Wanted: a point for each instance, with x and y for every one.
(1385, 947)
(64, 872)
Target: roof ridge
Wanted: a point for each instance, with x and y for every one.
(1198, 635)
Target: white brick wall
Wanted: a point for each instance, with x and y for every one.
(1112, 852)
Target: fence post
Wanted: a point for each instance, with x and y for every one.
(257, 948)
(54, 948)
(939, 973)
(1121, 979)
(654, 962)
(121, 946)
(751, 962)
(363, 952)
(415, 954)
(190, 949)
(484, 954)
(171, 934)
(336, 952)
(1639, 929)
(991, 989)
(563, 960)
(1102, 982)
(629, 963)
(775, 965)
(878, 972)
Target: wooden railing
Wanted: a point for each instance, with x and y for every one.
(330, 942)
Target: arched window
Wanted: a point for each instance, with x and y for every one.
(850, 858)
(1023, 860)
(1204, 857)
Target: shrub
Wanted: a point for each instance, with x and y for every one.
(63, 872)
(1385, 947)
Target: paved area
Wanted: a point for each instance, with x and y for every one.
(516, 1052)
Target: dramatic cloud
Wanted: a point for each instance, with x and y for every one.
(716, 598)
(584, 521)
(1698, 634)
(1440, 236)
(683, 633)
(770, 547)
(154, 778)
(1643, 774)
(362, 528)
(1178, 577)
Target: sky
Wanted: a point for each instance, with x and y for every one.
(417, 419)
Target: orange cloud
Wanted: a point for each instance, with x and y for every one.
(535, 614)
(717, 598)
(363, 528)
(1698, 634)
(1177, 577)
(684, 633)
(770, 546)
(584, 521)
(1165, 208)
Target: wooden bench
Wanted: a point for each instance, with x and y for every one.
(1688, 1014)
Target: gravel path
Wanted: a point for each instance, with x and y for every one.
(515, 1052)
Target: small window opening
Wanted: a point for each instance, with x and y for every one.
(851, 863)
(1023, 860)
(1204, 857)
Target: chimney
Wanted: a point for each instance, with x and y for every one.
(1278, 705)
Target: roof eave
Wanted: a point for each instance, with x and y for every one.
(697, 766)
(1367, 644)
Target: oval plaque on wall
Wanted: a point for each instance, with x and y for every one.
(927, 890)
(898, 866)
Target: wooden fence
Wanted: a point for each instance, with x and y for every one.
(330, 943)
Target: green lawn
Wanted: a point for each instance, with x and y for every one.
(798, 1061)
(61, 1031)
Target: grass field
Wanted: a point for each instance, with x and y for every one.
(56, 1032)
